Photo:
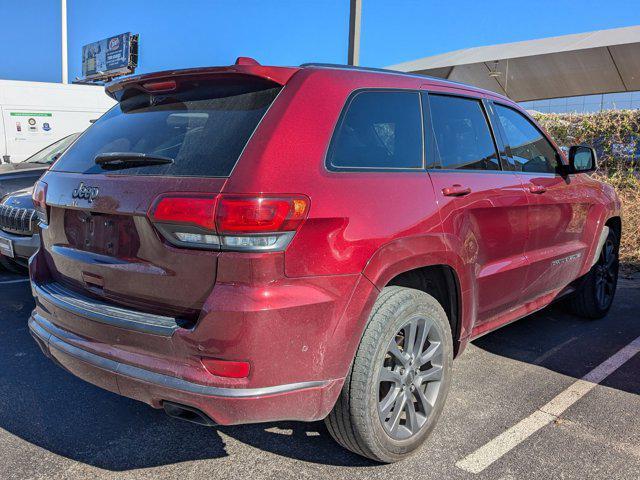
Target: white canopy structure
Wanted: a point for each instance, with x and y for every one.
(604, 61)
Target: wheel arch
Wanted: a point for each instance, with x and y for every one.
(442, 283)
(598, 223)
(615, 223)
(392, 263)
(427, 263)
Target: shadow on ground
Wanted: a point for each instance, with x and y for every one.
(43, 405)
(573, 346)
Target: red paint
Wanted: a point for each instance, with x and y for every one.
(297, 316)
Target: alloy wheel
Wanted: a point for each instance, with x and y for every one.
(410, 378)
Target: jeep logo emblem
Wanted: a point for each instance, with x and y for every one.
(83, 191)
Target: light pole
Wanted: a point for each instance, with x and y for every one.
(355, 12)
(65, 69)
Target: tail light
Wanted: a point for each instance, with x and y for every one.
(40, 201)
(230, 222)
(160, 86)
(198, 211)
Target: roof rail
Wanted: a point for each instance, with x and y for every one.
(387, 71)
(350, 67)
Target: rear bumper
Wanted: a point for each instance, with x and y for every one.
(306, 401)
(299, 336)
(23, 246)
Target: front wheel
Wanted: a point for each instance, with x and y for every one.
(399, 379)
(594, 296)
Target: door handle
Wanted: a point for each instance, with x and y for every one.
(538, 189)
(456, 190)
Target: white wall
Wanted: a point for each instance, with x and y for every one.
(35, 114)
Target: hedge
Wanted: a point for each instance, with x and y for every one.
(615, 135)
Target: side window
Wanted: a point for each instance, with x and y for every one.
(462, 135)
(530, 150)
(379, 129)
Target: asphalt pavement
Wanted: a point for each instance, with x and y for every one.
(53, 425)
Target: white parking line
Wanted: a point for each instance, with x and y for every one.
(477, 461)
(20, 280)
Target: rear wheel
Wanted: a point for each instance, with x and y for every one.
(594, 297)
(399, 379)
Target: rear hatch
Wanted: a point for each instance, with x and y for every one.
(164, 137)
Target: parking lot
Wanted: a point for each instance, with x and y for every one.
(53, 425)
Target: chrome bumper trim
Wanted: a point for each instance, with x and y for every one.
(40, 328)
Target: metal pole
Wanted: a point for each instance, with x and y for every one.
(355, 12)
(506, 79)
(65, 66)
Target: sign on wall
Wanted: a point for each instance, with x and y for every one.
(111, 57)
(28, 124)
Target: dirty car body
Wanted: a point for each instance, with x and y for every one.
(237, 285)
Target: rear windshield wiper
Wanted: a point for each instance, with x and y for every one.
(122, 160)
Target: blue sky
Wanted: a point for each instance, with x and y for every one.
(175, 33)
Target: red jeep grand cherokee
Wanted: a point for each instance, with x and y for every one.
(248, 244)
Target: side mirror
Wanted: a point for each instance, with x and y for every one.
(582, 159)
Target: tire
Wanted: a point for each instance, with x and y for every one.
(365, 418)
(590, 300)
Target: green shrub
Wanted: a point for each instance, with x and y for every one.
(615, 135)
(627, 184)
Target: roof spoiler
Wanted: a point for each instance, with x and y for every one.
(242, 66)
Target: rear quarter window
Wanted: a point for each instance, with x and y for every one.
(378, 130)
(203, 127)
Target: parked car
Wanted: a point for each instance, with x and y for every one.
(248, 244)
(16, 176)
(18, 220)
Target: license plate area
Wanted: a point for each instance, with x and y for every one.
(6, 247)
(112, 235)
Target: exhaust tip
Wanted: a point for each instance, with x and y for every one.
(189, 414)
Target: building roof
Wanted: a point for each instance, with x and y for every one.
(603, 61)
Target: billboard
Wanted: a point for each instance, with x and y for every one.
(111, 57)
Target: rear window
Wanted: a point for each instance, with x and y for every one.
(203, 127)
